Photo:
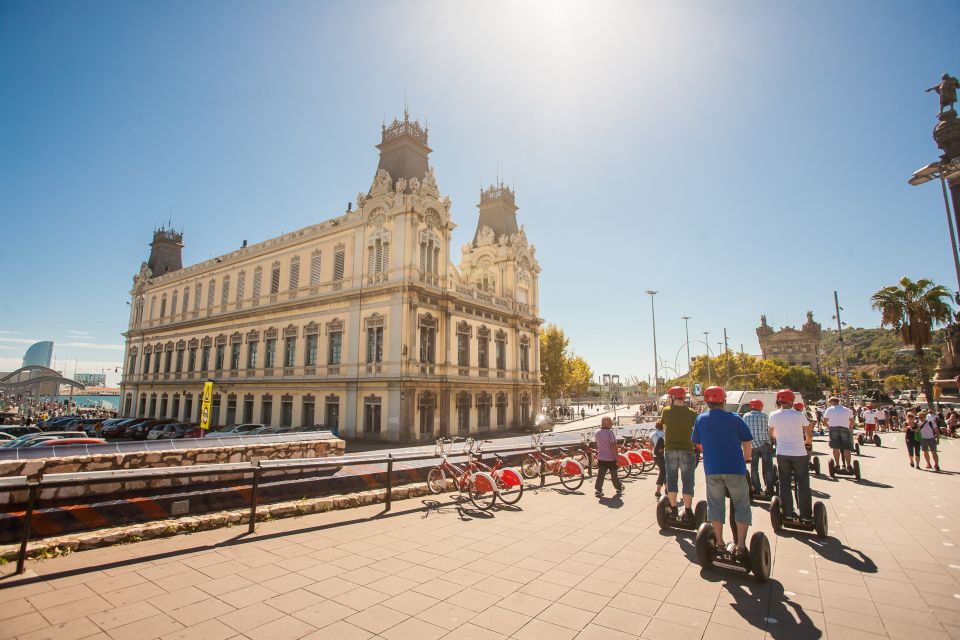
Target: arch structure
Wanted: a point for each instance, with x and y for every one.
(32, 378)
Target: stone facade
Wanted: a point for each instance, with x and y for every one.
(360, 322)
(790, 345)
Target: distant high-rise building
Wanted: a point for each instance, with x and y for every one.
(39, 354)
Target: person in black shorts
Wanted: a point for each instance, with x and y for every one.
(911, 435)
(839, 420)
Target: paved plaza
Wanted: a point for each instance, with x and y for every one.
(560, 566)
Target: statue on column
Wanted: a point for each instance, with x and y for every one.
(947, 89)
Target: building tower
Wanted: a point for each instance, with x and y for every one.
(165, 251)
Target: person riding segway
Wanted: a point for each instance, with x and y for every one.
(793, 432)
(762, 447)
(680, 456)
(871, 418)
(839, 421)
(725, 439)
(814, 460)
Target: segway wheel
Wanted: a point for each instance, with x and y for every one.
(663, 510)
(752, 491)
(860, 440)
(876, 440)
(856, 470)
(816, 465)
(700, 513)
(760, 556)
(706, 544)
(820, 522)
(776, 472)
(776, 514)
(832, 468)
(733, 522)
(856, 448)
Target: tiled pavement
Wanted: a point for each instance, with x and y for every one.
(561, 566)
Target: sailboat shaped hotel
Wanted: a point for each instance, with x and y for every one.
(361, 322)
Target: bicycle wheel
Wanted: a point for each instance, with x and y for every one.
(530, 467)
(571, 474)
(436, 480)
(482, 490)
(509, 486)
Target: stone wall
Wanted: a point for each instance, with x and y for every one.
(155, 459)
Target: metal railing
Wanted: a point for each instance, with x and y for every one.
(34, 484)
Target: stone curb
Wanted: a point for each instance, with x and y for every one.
(53, 547)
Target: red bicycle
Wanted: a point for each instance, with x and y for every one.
(566, 468)
(479, 486)
(509, 481)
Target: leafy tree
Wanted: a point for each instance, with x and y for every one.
(897, 382)
(913, 309)
(553, 357)
(578, 376)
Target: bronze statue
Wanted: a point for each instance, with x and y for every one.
(948, 91)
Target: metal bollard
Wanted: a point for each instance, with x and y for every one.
(543, 473)
(388, 500)
(590, 461)
(27, 519)
(253, 499)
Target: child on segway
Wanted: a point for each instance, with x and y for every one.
(793, 432)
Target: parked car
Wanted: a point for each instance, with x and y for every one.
(4, 437)
(17, 431)
(65, 442)
(308, 428)
(243, 429)
(164, 431)
(182, 428)
(116, 428)
(537, 423)
(60, 421)
(194, 431)
(140, 430)
(28, 439)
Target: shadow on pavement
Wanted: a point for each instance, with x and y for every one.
(766, 607)
(876, 485)
(612, 503)
(833, 550)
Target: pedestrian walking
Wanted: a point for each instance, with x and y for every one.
(606, 441)
(725, 439)
(656, 441)
(911, 436)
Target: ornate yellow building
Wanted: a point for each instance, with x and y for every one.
(790, 345)
(360, 322)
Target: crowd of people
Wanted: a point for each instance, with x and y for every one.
(29, 411)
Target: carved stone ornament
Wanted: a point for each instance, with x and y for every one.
(485, 237)
(429, 186)
(401, 185)
(143, 276)
(381, 183)
(414, 186)
(361, 198)
(446, 203)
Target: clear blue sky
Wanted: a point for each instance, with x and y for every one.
(741, 158)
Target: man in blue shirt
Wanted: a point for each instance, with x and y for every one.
(725, 439)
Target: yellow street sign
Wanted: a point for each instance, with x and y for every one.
(205, 406)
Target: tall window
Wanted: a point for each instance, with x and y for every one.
(241, 285)
(378, 257)
(247, 409)
(197, 294)
(463, 344)
(334, 341)
(270, 354)
(310, 354)
(211, 292)
(375, 339)
(215, 410)
(153, 304)
(186, 300)
(428, 339)
(218, 361)
(168, 360)
(180, 349)
(524, 407)
(188, 407)
(205, 358)
(132, 364)
(524, 353)
(483, 348)
(371, 414)
(429, 257)
(275, 279)
(231, 409)
(427, 406)
(501, 346)
(235, 356)
(174, 299)
(463, 412)
(158, 351)
(315, 268)
(266, 409)
(309, 412)
(289, 351)
(163, 305)
(252, 344)
(225, 293)
(332, 413)
(257, 282)
(163, 406)
(501, 410)
(294, 273)
(192, 359)
(339, 262)
(146, 362)
(483, 411)
(286, 411)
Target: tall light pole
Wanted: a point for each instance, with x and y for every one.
(706, 341)
(656, 361)
(843, 357)
(686, 325)
(726, 352)
(944, 171)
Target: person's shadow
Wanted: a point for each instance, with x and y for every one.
(767, 607)
(611, 503)
(833, 550)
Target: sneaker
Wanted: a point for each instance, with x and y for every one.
(657, 495)
(688, 515)
(740, 554)
(599, 494)
(911, 464)
(936, 468)
(928, 466)
(618, 494)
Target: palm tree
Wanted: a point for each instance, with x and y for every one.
(913, 309)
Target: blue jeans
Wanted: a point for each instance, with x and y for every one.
(799, 468)
(718, 486)
(763, 452)
(686, 463)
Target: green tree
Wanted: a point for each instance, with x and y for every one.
(553, 361)
(578, 376)
(913, 309)
(897, 382)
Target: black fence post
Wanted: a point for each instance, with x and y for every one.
(253, 499)
(388, 500)
(590, 461)
(543, 473)
(27, 519)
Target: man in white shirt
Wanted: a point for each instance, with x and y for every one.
(839, 421)
(882, 418)
(869, 417)
(793, 431)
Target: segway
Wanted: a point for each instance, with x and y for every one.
(667, 520)
(862, 438)
(814, 460)
(710, 554)
(817, 523)
(853, 471)
(766, 495)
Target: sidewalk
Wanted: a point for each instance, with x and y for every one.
(560, 566)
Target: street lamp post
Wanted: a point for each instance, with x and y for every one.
(656, 361)
(686, 325)
(944, 171)
(706, 342)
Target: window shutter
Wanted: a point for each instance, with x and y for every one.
(385, 263)
(257, 277)
(241, 285)
(295, 273)
(315, 268)
(371, 258)
(197, 294)
(338, 263)
(275, 279)
(225, 290)
(211, 292)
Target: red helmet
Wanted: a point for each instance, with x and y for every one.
(785, 395)
(756, 404)
(677, 392)
(798, 406)
(714, 395)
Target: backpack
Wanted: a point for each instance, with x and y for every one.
(658, 447)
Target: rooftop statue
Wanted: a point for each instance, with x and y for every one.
(947, 89)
